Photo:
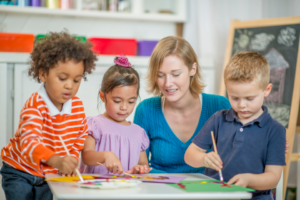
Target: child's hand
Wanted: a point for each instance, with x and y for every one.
(65, 165)
(240, 180)
(212, 160)
(73, 174)
(139, 169)
(113, 163)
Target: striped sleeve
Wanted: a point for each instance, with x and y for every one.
(31, 145)
(79, 142)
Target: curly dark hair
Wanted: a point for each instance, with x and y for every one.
(57, 47)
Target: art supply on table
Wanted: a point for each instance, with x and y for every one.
(78, 173)
(122, 172)
(109, 184)
(144, 178)
(215, 148)
(208, 186)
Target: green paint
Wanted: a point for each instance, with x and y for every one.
(208, 186)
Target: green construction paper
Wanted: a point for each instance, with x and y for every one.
(208, 186)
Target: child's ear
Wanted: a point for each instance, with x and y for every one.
(268, 90)
(101, 95)
(193, 70)
(42, 75)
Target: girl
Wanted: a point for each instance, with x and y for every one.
(112, 140)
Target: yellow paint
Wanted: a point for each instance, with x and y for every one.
(69, 179)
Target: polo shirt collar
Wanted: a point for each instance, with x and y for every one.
(261, 120)
(66, 109)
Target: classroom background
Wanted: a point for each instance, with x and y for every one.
(112, 24)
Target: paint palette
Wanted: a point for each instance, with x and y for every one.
(109, 184)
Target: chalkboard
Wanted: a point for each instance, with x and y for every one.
(278, 40)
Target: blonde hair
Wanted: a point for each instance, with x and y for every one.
(246, 67)
(174, 46)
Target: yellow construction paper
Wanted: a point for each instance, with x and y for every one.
(73, 179)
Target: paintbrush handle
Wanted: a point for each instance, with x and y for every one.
(122, 172)
(215, 148)
(77, 171)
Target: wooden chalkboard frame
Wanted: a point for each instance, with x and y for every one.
(295, 109)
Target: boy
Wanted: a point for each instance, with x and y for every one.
(250, 143)
(60, 62)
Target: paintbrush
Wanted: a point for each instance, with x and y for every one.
(215, 147)
(77, 171)
(122, 172)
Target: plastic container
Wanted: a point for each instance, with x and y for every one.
(40, 36)
(65, 4)
(16, 42)
(145, 47)
(114, 46)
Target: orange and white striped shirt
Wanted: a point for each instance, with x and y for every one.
(36, 139)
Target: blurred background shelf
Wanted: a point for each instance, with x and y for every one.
(177, 18)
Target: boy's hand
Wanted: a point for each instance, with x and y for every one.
(212, 160)
(240, 180)
(113, 163)
(139, 169)
(65, 165)
(73, 174)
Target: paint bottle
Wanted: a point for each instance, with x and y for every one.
(35, 3)
(23, 3)
(52, 4)
(65, 4)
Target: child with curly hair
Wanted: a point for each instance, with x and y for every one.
(60, 62)
(112, 140)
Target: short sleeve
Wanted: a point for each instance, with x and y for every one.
(145, 141)
(276, 146)
(203, 138)
(93, 128)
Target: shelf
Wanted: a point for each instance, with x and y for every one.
(94, 14)
(102, 60)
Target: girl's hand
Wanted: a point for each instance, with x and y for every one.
(113, 163)
(240, 180)
(213, 161)
(139, 169)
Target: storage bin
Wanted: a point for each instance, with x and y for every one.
(80, 38)
(145, 47)
(114, 46)
(16, 42)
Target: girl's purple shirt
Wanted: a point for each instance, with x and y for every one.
(126, 142)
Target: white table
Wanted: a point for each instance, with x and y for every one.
(156, 191)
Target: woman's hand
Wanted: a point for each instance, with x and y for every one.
(139, 169)
(212, 160)
(113, 163)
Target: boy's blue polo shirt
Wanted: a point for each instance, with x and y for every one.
(243, 148)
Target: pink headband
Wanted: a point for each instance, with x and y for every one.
(122, 61)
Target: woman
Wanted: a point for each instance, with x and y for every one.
(179, 110)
